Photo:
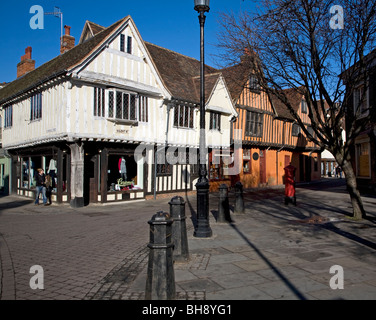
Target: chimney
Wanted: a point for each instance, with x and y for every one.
(67, 41)
(27, 64)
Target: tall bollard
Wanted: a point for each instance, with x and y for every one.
(179, 229)
(223, 205)
(160, 282)
(239, 200)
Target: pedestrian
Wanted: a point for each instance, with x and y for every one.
(340, 172)
(290, 194)
(48, 183)
(41, 186)
(337, 171)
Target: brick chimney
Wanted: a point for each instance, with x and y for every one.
(27, 64)
(67, 41)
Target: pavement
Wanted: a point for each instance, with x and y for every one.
(273, 251)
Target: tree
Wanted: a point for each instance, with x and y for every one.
(318, 49)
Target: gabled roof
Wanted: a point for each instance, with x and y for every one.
(236, 77)
(57, 66)
(179, 73)
(90, 30)
(294, 96)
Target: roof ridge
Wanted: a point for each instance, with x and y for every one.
(98, 25)
(180, 54)
(58, 64)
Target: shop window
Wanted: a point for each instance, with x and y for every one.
(163, 167)
(122, 173)
(51, 169)
(247, 161)
(363, 160)
(217, 166)
(29, 171)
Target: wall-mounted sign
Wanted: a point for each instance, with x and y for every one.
(255, 156)
(247, 155)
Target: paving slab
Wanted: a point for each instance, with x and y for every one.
(271, 252)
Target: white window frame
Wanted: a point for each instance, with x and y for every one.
(142, 117)
(36, 106)
(8, 116)
(215, 121)
(179, 113)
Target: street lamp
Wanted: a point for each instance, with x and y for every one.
(203, 229)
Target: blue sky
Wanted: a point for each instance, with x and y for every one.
(172, 24)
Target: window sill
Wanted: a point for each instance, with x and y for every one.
(123, 121)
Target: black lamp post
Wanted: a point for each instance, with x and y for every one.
(203, 229)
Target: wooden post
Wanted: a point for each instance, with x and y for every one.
(77, 175)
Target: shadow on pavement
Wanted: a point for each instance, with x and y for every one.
(271, 266)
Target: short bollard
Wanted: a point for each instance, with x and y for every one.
(160, 282)
(223, 205)
(179, 229)
(239, 200)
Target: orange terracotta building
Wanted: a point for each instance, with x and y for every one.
(270, 136)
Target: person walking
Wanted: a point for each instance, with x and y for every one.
(48, 188)
(290, 194)
(41, 186)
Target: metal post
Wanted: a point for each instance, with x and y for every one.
(223, 205)
(239, 200)
(203, 229)
(179, 229)
(160, 282)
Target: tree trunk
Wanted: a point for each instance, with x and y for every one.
(356, 200)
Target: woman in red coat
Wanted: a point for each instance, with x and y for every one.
(290, 184)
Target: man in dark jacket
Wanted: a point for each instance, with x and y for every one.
(41, 187)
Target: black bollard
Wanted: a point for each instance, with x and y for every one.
(179, 229)
(160, 282)
(239, 201)
(223, 205)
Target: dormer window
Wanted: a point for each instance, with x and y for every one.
(304, 106)
(295, 130)
(254, 83)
